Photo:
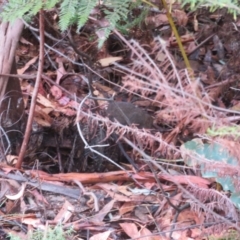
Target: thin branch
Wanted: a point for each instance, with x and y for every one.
(35, 92)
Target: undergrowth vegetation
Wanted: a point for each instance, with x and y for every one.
(231, 5)
(76, 12)
(117, 14)
(55, 233)
(182, 109)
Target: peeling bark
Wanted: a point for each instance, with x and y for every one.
(11, 103)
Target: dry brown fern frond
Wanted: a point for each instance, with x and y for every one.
(213, 200)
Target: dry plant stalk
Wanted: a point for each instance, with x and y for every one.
(153, 77)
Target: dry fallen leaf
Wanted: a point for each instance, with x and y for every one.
(181, 17)
(189, 215)
(130, 229)
(156, 20)
(56, 92)
(27, 65)
(42, 121)
(195, 23)
(127, 207)
(65, 213)
(101, 236)
(44, 101)
(19, 194)
(35, 222)
(149, 236)
(61, 70)
(24, 41)
(39, 197)
(103, 212)
(8, 186)
(11, 159)
(105, 62)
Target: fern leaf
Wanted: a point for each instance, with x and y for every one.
(15, 9)
(116, 10)
(36, 6)
(84, 10)
(67, 13)
(50, 4)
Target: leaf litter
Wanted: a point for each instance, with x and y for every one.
(160, 196)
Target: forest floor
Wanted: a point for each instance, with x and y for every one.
(126, 143)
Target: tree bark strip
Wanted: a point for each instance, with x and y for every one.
(11, 104)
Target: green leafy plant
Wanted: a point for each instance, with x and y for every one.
(73, 12)
(14, 9)
(134, 21)
(230, 235)
(231, 5)
(56, 233)
(115, 12)
(224, 131)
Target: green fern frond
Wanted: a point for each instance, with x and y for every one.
(124, 26)
(36, 6)
(69, 9)
(84, 11)
(118, 10)
(19, 8)
(16, 9)
(231, 5)
(105, 34)
(50, 4)
(115, 11)
(72, 12)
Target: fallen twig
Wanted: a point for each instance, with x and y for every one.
(34, 94)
